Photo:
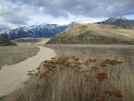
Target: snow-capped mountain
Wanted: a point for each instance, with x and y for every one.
(35, 31)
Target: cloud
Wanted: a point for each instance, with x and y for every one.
(90, 8)
(26, 12)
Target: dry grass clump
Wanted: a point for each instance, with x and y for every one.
(111, 62)
(74, 79)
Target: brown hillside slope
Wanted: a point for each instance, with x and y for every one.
(95, 34)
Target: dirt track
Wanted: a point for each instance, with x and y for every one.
(13, 76)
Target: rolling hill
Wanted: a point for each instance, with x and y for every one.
(99, 33)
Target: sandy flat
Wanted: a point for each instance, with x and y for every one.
(12, 76)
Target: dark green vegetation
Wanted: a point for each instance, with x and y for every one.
(82, 73)
(14, 54)
(95, 34)
(4, 40)
(1, 98)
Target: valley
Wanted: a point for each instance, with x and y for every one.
(72, 67)
(85, 62)
(66, 50)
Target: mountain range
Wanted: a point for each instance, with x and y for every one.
(36, 31)
(119, 22)
(113, 30)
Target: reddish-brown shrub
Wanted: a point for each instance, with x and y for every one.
(100, 98)
(101, 76)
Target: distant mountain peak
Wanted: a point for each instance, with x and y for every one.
(119, 21)
(114, 19)
(36, 31)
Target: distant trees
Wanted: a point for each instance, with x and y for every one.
(4, 40)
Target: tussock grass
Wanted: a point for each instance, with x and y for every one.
(14, 54)
(76, 79)
(82, 73)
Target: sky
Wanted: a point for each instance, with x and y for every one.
(15, 13)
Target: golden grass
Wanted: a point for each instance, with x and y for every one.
(75, 79)
(14, 54)
(96, 33)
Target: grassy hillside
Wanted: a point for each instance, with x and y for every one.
(95, 34)
(14, 54)
(82, 73)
